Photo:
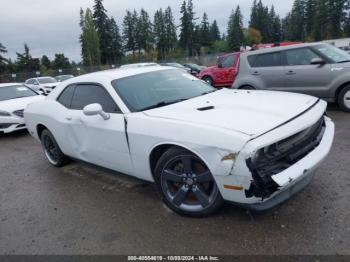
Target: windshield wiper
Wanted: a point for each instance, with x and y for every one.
(163, 103)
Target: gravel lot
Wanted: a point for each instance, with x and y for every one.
(81, 209)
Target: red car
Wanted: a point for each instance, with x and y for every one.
(224, 73)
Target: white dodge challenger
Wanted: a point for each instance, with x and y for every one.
(201, 146)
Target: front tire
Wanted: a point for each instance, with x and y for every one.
(344, 99)
(208, 80)
(51, 149)
(186, 184)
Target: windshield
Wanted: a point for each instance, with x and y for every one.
(160, 88)
(12, 92)
(47, 80)
(63, 77)
(333, 53)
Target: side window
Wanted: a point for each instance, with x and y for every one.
(30, 82)
(229, 61)
(66, 96)
(300, 56)
(86, 94)
(266, 60)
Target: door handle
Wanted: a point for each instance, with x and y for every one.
(290, 72)
(256, 73)
(69, 118)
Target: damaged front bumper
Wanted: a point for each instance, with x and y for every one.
(273, 189)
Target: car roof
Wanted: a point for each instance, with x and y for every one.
(10, 84)
(113, 74)
(279, 48)
(135, 65)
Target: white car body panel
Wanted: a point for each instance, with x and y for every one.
(13, 105)
(240, 123)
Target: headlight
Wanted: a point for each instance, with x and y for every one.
(4, 113)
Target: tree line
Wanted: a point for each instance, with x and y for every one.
(142, 37)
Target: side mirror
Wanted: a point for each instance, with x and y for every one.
(317, 61)
(95, 109)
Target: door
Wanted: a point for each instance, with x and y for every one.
(267, 70)
(225, 71)
(92, 138)
(302, 77)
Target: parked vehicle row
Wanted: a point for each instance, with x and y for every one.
(46, 84)
(201, 146)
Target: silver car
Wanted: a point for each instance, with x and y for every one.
(317, 69)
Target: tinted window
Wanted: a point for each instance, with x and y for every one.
(89, 94)
(30, 82)
(229, 61)
(300, 56)
(265, 60)
(66, 96)
(160, 87)
(47, 80)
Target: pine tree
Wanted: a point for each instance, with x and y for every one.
(204, 32)
(235, 37)
(187, 27)
(45, 61)
(61, 62)
(129, 31)
(170, 30)
(25, 62)
(116, 44)
(3, 60)
(159, 32)
(214, 32)
(260, 20)
(274, 26)
(100, 19)
(90, 44)
(144, 38)
(309, 17)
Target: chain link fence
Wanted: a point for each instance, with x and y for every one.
(207, 60)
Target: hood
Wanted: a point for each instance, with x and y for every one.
(19, 103)
(50, 84)
(248, 112)
(208, 69)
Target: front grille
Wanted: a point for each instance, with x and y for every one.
(5, 125)
(19, 113)
(275, 158)
(281, 155)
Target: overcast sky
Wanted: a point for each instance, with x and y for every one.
(50, 27)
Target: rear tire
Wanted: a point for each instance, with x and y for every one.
(344, 99)
(186, 184)
(247, 87)
(51, 149)
(208, 80)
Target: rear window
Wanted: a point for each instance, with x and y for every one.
(265, 60)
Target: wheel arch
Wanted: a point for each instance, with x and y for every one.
(158, 150)
(39, 129)
(339, 89)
